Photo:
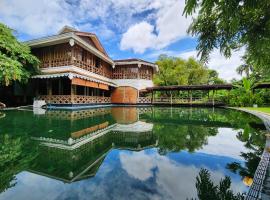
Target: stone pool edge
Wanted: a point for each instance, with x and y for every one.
(256, 191)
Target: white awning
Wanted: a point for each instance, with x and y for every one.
(71, 76)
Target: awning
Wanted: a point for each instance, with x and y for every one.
(72, 76)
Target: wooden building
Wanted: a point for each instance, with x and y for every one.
(76, 70)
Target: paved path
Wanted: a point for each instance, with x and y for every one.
(260, 189)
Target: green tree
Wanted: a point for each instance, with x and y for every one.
(207, 190)
(213, 77)
(177, 71)
(243, 95)
(16, 61)
(244, 68)
(16, 152)
(230, 25)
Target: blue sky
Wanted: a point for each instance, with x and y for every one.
(127, 28)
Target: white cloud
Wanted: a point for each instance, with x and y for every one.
(44, 17)
(225, 144)
(35, 17)
(174, 180)
(139, 37)
(226, 67)
(169, 26)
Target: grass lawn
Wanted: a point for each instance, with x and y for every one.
(260, 109)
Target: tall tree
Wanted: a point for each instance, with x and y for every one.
(16, 61)
(176, 71)
(244, 68)
(229, 25)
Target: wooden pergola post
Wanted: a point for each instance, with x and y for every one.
(213, 98)
(171, 97)
(152, 99)
(191, 97)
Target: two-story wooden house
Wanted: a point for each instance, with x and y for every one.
(76, 70)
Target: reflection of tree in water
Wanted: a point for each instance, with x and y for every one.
(177, 138)
(255, 141)
(15, 155)
(207, 190)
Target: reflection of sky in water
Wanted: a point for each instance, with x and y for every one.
(131, 175)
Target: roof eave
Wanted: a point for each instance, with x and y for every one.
(136, 63)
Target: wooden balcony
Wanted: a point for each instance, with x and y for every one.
(75, 99)
(77, 63)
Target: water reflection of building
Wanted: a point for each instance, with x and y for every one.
(81, 155)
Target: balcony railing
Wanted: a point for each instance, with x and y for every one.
(75, 99)
(77, 63)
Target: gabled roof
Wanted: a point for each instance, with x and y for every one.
(94, 41)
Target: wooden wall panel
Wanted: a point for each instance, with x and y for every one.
(125, 115)
(124, 95)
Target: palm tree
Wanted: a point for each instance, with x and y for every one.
(245, 68)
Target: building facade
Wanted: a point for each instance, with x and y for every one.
(76, 70)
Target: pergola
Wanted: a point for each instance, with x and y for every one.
(261, 86)
(189, 88)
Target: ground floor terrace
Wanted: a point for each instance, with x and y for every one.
(63, 90)
(66, 90)
(76, 91)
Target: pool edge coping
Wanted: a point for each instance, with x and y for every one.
(256, 190)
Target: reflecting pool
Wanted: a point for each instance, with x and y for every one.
(125, 152)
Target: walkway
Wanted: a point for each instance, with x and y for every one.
(260, 189)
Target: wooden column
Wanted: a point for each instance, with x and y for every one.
(49, 87)
(73, 92)
(84, 91)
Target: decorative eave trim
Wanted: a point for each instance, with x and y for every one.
(83, 72)
(70, 76)
(62, 38)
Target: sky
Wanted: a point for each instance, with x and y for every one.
(126, 28)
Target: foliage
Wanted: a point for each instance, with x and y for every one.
(176, 71)
(242, 95)
(16, 61)
(213, 77)
(15, 156)
(227, 25)
(207, 190)
(255, 141)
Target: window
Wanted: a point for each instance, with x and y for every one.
(134, 70)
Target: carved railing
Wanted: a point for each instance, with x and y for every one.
(79, 99)
(75, 99)
(131, 75)
(144, 100)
